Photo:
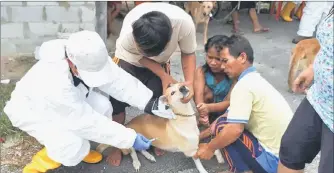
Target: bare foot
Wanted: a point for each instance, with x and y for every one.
(237, 31)
(115, 157)
(158, 151)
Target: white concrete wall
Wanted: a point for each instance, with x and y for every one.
(25, 25)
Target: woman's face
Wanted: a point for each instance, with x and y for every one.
(213, 60)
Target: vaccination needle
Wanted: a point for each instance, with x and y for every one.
(151, 140)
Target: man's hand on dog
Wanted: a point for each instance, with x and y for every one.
(204, 152)
(167, 80)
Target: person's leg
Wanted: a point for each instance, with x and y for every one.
(299, 11)
(235, 17)
(301, 140)
(326, 155)
(114, 8)
(312, 14)
(257, 28)
(241, 155)
(69, 152)
(117, 9)
(286, 12)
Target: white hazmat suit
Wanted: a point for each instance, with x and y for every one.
(47, 105)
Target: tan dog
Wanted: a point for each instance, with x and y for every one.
(302, 56)
(200, 12)
(175, 135)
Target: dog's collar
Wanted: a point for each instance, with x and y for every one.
(182, 115)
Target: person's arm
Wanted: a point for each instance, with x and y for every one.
(126, 88)
(188, 47)
(218, 107)
(227, 136)
(76, 115)
(199, 86)
(188, 66)
(239, 112)
(155, 67)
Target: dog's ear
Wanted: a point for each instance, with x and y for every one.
(163, 99)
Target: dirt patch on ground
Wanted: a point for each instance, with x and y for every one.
(17, 151)
(15, 68)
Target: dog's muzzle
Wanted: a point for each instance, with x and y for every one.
(184, 90)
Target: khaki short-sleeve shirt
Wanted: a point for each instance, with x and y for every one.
(184, 33)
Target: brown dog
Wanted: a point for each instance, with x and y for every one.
(200, 12)
(302, 56)
(175, 135)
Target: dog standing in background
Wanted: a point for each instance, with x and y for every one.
(302, 56)
(201, 13)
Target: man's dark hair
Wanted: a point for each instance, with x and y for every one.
(152, 32)
(238, 44)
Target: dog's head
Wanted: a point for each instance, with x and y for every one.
(207, 7)
(172, 97)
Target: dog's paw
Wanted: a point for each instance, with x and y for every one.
(136, 164)
(219, 157)
(151, 158)
(148, 156)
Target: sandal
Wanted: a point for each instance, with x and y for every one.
(262, 30)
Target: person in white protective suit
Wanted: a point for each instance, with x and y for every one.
(55, 102)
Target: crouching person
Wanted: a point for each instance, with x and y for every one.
(211, 85)
(54, 102)
(249, 134)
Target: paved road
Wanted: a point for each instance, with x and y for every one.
(272, 51)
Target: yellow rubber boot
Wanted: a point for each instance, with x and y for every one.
(40, 163)
(285, 13)
(93, 157)
(299, 11)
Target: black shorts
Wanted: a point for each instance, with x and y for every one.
(244, 4)
(305, 136)
(147, 77)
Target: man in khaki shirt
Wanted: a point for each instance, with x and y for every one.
(150, 34)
